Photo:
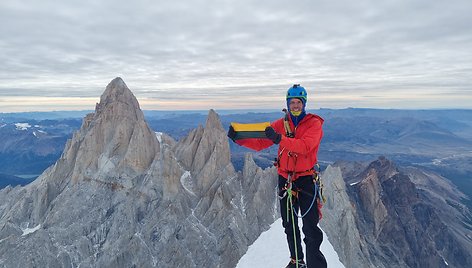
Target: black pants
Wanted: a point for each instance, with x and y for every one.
(313, 234)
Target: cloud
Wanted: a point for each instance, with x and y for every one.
(247, 49)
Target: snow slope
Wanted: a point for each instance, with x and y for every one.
(271, 250)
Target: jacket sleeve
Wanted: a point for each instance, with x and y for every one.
(260, 144)
(305, 144)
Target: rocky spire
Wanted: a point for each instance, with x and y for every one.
(205, 153)
(115, 140)
(213, 121)
(384, 168)
(113, 146)
(118, 98)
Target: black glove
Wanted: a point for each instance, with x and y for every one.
(272, 135)
(231, 133)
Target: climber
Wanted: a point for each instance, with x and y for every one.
(298, 136)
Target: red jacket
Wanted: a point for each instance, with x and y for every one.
(298, 154)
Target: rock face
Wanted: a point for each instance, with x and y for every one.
(123, 196)
(339, 221)
(393, 218)
(205, 152)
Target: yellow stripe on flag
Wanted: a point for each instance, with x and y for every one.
(250, 127)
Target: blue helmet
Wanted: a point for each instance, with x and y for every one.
(296, 91)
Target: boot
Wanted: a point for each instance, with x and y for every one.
(293, 264)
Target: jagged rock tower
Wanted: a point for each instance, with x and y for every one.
(122, 196)
(387, 217)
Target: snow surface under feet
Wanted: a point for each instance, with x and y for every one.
(271, 250)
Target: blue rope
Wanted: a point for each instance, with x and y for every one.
(312, 202)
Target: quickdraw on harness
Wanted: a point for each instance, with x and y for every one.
(319, 183)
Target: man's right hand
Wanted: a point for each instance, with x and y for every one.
(231, 133)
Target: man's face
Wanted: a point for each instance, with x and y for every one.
(295, 105)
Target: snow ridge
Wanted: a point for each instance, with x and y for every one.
(271, 250)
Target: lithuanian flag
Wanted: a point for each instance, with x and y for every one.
(250, 131)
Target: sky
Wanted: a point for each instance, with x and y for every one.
(202, 54)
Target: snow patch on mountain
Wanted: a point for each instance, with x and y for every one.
(28, 231)
(159, 136)
(186, 181)
(22, 126)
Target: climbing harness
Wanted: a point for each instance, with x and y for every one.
(317, 191)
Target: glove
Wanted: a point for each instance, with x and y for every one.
(272, 135)
(231, 133)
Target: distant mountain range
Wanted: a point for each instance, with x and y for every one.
(437, 139)
(6, 180)
(29, 146)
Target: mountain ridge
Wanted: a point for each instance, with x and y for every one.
(392, 216)
(120, 196)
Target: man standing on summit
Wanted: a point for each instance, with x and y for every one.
(298, 136)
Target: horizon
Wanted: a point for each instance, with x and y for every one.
(243, 55)
(32, 104)
(229, 111)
